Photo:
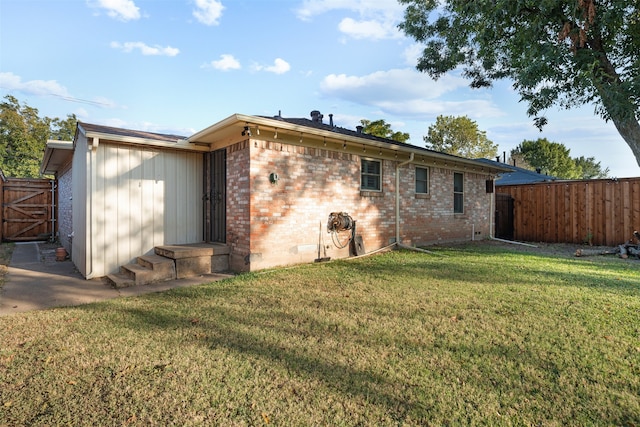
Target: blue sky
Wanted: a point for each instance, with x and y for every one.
(178, 66)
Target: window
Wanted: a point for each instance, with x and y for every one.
(422, 180)
(458, 192)
(370, 175)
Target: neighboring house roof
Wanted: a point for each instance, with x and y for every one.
(229, 129)
(518, 175)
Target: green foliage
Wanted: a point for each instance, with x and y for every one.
(590, 168)
(383, 129)
(562, 52)
(459, 136)
(64, 130)
(23, 137)
(554, 159)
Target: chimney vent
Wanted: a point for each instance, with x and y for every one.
(359, 128)
(316, 117)
(331, 119)
(538, 170)
(498, 159)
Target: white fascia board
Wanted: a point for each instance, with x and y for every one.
(180, 144)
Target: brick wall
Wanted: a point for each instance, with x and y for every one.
(238, 197)
(288, 218)
(65, 211)
(430, 219)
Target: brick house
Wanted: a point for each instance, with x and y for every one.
(263, 189)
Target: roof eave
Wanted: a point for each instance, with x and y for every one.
(237, 120)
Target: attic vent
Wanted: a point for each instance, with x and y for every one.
(316, 117)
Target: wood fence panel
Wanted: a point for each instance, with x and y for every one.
(27, 209)
(600, 212)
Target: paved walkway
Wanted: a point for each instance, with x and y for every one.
(37, 281)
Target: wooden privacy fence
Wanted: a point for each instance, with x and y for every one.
(27, 212)
(598, 212)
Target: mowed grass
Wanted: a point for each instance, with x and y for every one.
(476, 335)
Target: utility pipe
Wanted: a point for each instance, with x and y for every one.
(398, 166)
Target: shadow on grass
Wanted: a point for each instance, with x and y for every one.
(292, 341)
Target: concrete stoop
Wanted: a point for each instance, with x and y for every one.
(173, 262)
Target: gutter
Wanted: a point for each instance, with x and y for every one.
(398, 166)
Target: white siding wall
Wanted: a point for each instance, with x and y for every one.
(81, 182)
(143, 197)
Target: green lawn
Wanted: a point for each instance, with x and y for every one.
(476, 335)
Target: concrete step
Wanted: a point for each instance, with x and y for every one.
(192, 250)
(149, 269)
(196, 259)
(164, 268)
(119, 280)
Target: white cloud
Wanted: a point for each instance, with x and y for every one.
(412, 54)
(225, 63)
(208, 12)
(375, 20)
(124, 10)
(369, 29)
(474, 108)
(280, 66)
(408, 93)
(146, 49)
(400, 84)
(311, 8)
(10, 81)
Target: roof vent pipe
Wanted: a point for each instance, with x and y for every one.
(316, 117)
(359, 129)
(331, 119)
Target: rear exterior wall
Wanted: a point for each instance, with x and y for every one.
(274, 224)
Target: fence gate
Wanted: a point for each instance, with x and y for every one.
(27, 211)
(504, 216)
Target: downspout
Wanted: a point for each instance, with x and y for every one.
(398, 166)
(89, 241)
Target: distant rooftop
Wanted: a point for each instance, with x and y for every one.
(517, 175)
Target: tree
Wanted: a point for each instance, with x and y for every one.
(564, 52)
(64, 130)
(383, 130)
(24, 135)
(590, 168)
(551, 158)
(459, 136)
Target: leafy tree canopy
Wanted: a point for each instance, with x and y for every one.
(561, 52)
(590, 168)
(554, 159)
(459, 136)
(383, 129)
(24, 135)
